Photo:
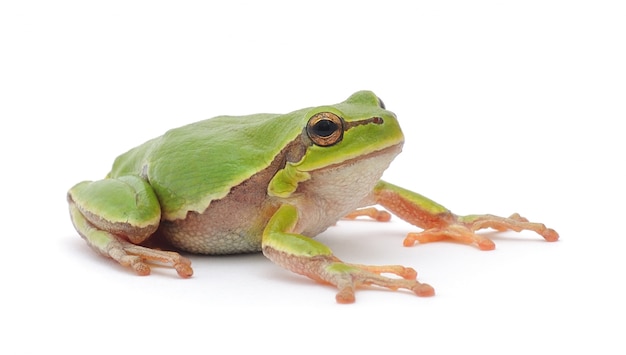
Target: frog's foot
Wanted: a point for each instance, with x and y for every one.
(349, 277)
(371, 212)
(463, 229)
(138, 257)
(124, 252)
(313, 259)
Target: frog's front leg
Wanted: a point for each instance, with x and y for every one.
(441, 224)
(313, 259)
(114, 215)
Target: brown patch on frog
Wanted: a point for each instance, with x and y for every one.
(371, 120)
(233, 224)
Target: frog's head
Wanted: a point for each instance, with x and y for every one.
(355, 130)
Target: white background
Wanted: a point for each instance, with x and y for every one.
(506, 106)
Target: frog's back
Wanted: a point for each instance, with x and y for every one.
(190, 166)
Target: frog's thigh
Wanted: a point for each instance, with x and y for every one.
(125, 206)
(113, 215)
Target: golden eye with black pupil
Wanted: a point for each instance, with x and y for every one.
(325, 129)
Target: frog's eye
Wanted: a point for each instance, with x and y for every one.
(325, 129)
(381, 104)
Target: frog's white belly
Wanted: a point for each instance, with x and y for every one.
(335, 191)
(235, 224)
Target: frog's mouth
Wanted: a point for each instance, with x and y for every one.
(375, 161)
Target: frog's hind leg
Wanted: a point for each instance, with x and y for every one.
(370, 212)
(126, 253)
(105, 214)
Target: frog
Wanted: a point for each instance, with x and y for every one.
(270, 183)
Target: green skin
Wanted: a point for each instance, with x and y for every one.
(268, 182)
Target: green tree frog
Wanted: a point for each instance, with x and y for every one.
(270, 183)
